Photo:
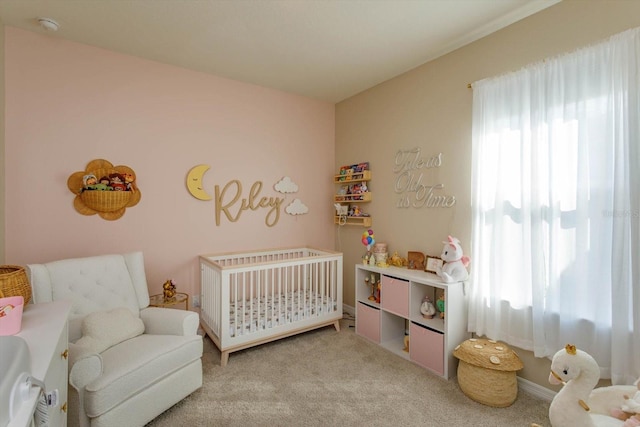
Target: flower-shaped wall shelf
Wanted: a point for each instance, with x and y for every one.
(104, 189)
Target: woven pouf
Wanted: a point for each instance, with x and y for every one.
(487, 371)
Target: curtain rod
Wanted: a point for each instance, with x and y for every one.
(543, 61)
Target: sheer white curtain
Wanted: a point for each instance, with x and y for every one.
(556, 206)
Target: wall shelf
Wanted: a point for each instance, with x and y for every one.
(352, 198)
(353, 190)
(352, 177)
(364, 221)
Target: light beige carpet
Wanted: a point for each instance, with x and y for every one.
(329, 378)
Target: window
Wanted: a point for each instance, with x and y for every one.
(556, 209)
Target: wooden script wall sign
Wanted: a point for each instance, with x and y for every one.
(412, 192)
(230, 203)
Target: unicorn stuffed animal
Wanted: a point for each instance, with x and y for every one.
(579, 373)
(455, 264)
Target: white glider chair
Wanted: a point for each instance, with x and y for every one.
(128, 362)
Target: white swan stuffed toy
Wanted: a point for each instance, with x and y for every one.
(579, 373)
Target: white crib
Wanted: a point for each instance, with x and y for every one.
(250, 298)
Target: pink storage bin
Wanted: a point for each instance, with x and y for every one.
(11, 315)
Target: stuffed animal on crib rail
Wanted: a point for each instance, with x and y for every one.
(455, 264)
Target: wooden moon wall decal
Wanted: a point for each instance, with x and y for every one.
(104, 189)
(194, 182)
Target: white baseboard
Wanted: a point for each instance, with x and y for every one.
(349, 310)
(536, 390)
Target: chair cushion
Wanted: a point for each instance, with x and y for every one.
(104, 329)
(135, 364)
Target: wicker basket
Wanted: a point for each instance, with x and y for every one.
(105, 201)
(14, 282)
(487, 371)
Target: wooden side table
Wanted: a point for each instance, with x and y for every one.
(159, 300)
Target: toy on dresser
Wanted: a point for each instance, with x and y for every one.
(440, 303)
(455, 264)
(427, 308)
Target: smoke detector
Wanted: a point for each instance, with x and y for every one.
(48, 24)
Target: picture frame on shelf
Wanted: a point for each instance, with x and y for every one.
(433, 263)
(415, 260)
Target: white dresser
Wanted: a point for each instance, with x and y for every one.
(395, 319)
(44, 328)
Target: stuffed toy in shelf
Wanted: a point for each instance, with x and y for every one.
(440, 303)
(117, 182)
(427, 308)
(397, 260)
(455, 264)
(129, 181)
(88, 182)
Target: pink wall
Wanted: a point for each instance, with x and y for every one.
(67, 104)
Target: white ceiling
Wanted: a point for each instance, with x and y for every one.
(324, 49)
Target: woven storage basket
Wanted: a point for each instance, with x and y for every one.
(487, 371)
(14, 282)
(105, 201)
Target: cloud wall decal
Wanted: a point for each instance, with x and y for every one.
(285, 185)
(296, 208)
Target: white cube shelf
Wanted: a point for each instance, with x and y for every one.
(431, 341)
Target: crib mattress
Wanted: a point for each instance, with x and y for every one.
(248, 316)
